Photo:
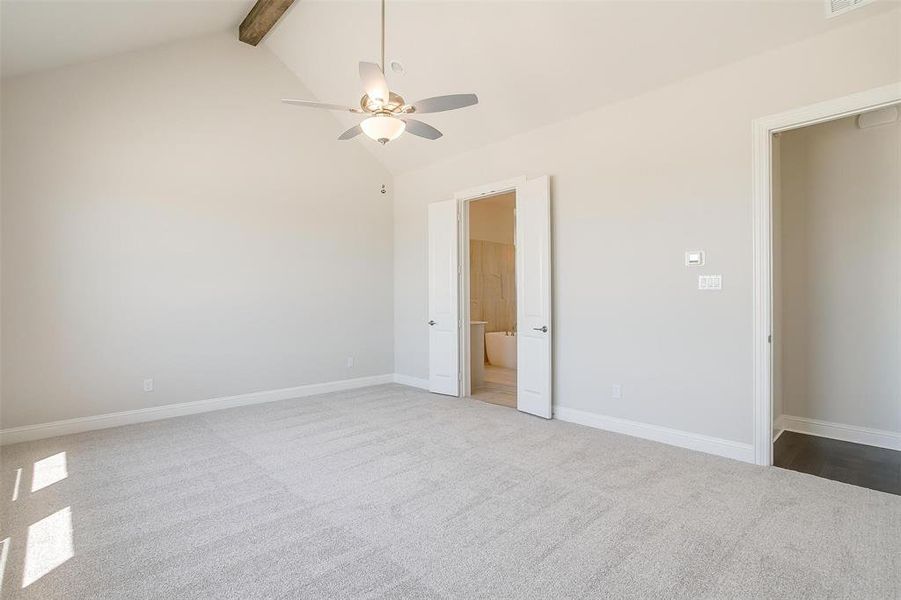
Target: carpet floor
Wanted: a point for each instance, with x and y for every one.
(390, 492)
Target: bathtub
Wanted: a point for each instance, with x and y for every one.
(500, 347)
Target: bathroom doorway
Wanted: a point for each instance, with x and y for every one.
(491, 277)
(529, 381)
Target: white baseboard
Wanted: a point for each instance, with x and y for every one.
(154, 413)
(847, 433)
(684, 439)
(411, 381)
(674, 437)
(778, 427)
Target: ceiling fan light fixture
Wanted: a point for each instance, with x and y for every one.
(389, 114)
(383, 128)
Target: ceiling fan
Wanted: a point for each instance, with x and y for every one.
(387, 112)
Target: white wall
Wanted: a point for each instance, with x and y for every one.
(634, 185)
(841, 230)
(165, 216)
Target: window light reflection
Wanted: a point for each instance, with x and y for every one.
(48, 471)
(48, 546)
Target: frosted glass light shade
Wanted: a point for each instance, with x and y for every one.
(383, 128)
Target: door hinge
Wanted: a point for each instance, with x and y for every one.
(769, 339)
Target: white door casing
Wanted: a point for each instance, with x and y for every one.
(762, 201)
(444, 366)
(533, 297)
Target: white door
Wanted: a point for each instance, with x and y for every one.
(533, 297)
(444, 358)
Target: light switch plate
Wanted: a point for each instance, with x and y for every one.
(694, 258)
(710, 282)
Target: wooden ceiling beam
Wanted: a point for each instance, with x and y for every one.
(261, 18)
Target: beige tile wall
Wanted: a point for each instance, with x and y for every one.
(492, 285)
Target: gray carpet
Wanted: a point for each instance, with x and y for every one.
(390, 492)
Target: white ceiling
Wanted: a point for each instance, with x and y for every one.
(531, 63)
(39, 34)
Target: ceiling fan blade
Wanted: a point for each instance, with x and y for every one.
(422, 129)
(351, 133)
(443, 103)
(374, 81)
(311, 104)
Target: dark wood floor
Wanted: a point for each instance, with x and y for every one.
(866, 466)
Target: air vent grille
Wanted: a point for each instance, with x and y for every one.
(839, 7)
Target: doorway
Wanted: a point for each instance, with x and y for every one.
(449, 301)
(836, 291)
(490, 270)
(773, 325)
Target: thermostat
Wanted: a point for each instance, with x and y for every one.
(694, 258)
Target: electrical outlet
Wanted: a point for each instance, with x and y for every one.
(148, 385)
(616, 392)
(350, 362)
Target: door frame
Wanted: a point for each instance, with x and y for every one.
(763, 130)
(464, 198)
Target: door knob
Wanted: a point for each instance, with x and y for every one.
(431, 323)
(542, 329)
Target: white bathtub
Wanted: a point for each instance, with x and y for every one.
(501, 349)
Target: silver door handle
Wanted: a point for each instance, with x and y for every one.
(542, 329)
(431, 323)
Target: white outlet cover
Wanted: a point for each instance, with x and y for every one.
(148, 385)
(710, 282)
(616, 391)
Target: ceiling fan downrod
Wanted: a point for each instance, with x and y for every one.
(383, 36)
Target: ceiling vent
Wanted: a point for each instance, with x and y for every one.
(840, 7)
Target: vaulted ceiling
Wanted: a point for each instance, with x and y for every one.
(532, 63)
(43, 34)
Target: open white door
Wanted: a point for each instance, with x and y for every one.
(533, 297)
(444, 352)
